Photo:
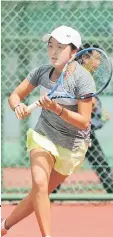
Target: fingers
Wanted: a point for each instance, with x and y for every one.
(21, 111)
(47, 103)
(17, 114)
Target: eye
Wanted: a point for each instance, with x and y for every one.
(50, 45)
(60, 46)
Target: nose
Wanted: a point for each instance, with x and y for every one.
(54, 52)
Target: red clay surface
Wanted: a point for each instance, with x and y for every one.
(87, 220)
(68, 221)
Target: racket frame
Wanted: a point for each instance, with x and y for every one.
(60, 80)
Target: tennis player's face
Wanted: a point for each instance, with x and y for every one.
(59, 54)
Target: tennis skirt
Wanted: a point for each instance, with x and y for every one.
(66, 161)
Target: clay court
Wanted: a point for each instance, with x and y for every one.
(69, 220)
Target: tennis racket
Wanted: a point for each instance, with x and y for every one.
(95, 61)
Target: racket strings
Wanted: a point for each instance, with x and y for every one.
(101, 73)
(69, 78)
(97, 64)
(69, 70)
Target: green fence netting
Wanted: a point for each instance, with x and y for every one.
(23, 25)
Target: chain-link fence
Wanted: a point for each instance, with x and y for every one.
(23, 25)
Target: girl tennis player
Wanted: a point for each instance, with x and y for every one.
(59, 142)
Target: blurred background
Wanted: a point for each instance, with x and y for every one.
(23, 25)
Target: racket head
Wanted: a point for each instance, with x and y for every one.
(96, 62)
(101, 68)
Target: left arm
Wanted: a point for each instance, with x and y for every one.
(80, 119)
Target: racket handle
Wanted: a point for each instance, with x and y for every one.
(33, 106)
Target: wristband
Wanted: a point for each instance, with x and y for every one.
(15, 106)
(61, 112)
(58, 110)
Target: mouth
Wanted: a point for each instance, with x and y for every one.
(54, 58)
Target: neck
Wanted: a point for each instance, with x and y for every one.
(55, 75)
(57, 72)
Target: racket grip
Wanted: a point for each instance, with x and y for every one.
(33, 106)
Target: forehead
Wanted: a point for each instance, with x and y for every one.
(53, 41)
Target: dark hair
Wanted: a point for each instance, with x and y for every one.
(87, 45)
(73, 47)
(79, 59)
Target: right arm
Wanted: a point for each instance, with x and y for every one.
(23, 90)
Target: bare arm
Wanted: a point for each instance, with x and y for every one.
(17, 96)
(80, 119)
(23, 90)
